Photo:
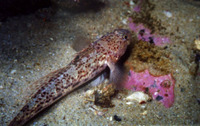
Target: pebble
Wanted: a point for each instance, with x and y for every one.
(111, 118)
(144, 113)
(13, 71)
(198, 101)
(15, 61)
(117, 118)
(197, 43)
(89, 92)
(138, 96)
(168, 14)
(131, 3)
(156, 93)
(124, 21)
(143, 106)
(129, 103)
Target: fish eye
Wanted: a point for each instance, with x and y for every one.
(125, 37)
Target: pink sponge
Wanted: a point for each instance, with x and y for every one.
(160, 88)
(145, 34)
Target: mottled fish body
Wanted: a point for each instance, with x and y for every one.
(87, 64)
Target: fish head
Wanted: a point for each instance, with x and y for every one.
(116, 43)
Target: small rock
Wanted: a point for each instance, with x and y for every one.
(15, 60)
(197, 43)
(124, 21)
(138, 96)
(89, 92)
(198, 100)
(13, 71)
(144, 113)
(143, 106)
(117, 118)
(111, 118)
(158, 98)
(129, 103)
(1, 87)
(131, 3)
(168, 14)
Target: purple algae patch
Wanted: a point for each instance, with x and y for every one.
(145, 34)
(137, 8)
(160, 88)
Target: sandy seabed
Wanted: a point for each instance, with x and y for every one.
(33, 45)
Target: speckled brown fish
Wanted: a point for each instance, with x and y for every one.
(87, 64)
